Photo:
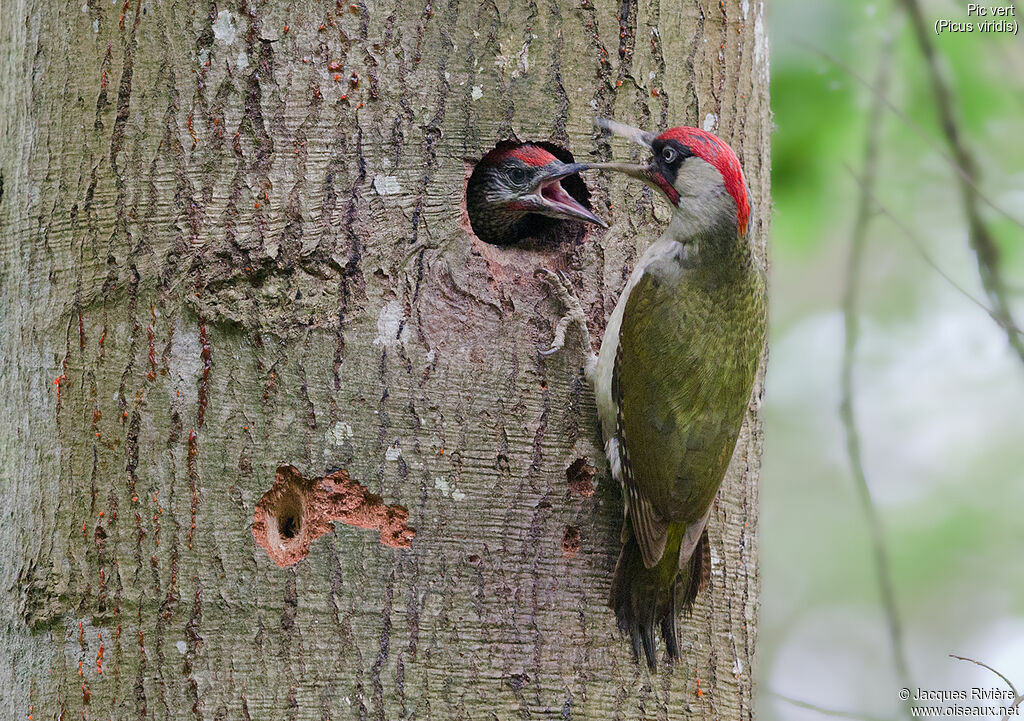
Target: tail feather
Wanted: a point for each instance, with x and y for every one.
(650, 645)
(669, 631)
(699, 572)
(644, 597)
(639, 605)
(641, 636)
(636, 637)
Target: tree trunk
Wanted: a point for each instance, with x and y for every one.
(232, 243)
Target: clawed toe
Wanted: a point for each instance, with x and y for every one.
(560, 286)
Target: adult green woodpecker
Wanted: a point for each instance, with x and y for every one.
(674, 375)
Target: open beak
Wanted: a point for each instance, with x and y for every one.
(549, 197)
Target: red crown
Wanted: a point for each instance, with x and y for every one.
(532, 155)
(717, 152)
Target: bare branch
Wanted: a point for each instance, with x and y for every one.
(1019, 697)
(918, 130)
(834, 713)
(985, 665)
(981, 238)
(852, 330)
(919, 247)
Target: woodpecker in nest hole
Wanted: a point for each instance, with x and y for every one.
(515, 192)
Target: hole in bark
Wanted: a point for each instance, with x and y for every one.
(571, 541)
(518, 680)
(289, 516)
(511, 194)
(579, 476)
(297, 510)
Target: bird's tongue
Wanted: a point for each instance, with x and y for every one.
(558, 199)
(559, 204)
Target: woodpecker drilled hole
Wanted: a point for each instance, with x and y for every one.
(289, 517)
(529, 195)
(579, 476)
(572, 539)
(297, 510)
(284, 514)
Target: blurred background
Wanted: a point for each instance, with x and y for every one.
(937, 388)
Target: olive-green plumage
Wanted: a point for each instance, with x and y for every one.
(688, 349)
(674, 376)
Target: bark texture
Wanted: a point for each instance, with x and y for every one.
(231, 241)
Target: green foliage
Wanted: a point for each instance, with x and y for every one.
(937, 391)
(812, 140)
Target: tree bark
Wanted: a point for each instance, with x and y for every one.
(232, 241)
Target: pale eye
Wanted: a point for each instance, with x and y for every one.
(669, 155)
(516, 174)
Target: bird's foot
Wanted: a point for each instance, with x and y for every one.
(574, 313)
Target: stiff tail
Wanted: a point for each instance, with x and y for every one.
(643, 597)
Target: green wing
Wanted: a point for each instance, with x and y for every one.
(681, 382)
(649, 528)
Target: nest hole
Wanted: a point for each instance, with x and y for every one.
(297, 510)
(499, 211)
(289, 516)
(280, 524)
(572, 539)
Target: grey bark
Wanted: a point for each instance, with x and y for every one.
(232, 239)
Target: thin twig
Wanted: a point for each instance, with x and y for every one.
(825, 711)
(985, 248)
(919, 247)
(985, 665)
(1016, 702)
(918, 130)
(852, 330)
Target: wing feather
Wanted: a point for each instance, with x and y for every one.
(649, 529)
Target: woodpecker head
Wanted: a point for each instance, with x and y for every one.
(514, 188)
(696, 171)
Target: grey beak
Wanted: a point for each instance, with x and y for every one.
(559, 170)
(552, 200)
(640, 172)
(640, 137)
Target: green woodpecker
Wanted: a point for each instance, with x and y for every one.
(674, 375)
(516, 191)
